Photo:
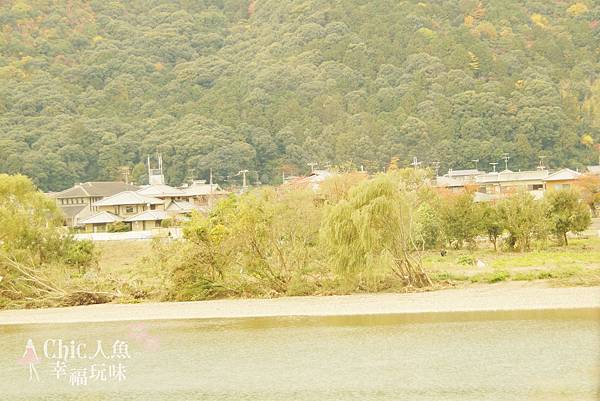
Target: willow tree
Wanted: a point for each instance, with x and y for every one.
(38, 259)
(375, 224)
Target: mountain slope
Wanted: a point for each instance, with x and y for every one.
(88, 87)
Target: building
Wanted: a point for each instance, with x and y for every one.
(127, 204)
(465, 176)
(147, 220)
(312, 181)
(593, 170)
(562, 179)
(204, 195)
(506, 182)
(77, 202)
(164, 192)
(99, 222)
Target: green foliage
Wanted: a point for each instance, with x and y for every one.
(567, 213)
(38, 257)
(491, 223)
(89, 86)
(461, 219)
(80, 254)
(466, 260)
(524, 218)
(117, 227)
(29, 221)
(429, 226)
(374, 227)
(261, 242)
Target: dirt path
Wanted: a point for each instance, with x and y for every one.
(496, 297)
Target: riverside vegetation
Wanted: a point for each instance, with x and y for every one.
(356, 234)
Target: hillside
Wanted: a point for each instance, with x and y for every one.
(270, 85)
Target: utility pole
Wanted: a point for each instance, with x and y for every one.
(125, 174)
(210, 181)
(494, 166)
(476, 161)
(416, 163)
(243, 173)
(436, 166)
(312, 166)
(506, 158)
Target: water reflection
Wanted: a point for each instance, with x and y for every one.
(529, 355)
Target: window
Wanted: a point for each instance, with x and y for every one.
(562, 186)
(535, 187)
(152, 207)
(129, 209)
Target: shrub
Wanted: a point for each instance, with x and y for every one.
(566, 212)
(117, 227)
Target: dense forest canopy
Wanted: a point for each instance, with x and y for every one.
(87, 87)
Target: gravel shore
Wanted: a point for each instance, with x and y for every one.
(485, 298)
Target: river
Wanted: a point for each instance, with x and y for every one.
(549, 355)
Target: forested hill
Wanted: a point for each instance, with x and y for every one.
(266, 85)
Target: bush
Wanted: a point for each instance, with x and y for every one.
(118, 227)
(566, 213)
(524, 218)
(466, 260)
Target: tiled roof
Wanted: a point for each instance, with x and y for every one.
(128, 198)
(507, 176)
(101, 218)
(181, 207)
(149, 215)
(460, 173)
(197, 189)
(594, 169)
(312, 180)
(97, 189)
(448, 182)
(72, 210)
(563, 175)
(160, 190)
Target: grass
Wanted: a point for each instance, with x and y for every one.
(576, 264)
(137, 276)
(123, 262)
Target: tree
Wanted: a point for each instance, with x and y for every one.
(566, 213)
(589, 190)
(375, 224)
(29, 221)
(461, 219)
(524, 218)
(491, 223)
(38, 259)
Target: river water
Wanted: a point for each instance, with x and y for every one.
(476, 356)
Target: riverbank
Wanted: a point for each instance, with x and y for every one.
(481, 298)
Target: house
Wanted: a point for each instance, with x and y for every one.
(147, 220)
(99, 222)
(176, 208)
(312, 181)
(202, 194)
(467, 176)
(451, 184)
(76, 202)
(128, 203)
(562, 179)
(506, 182)
(164, 192)
(593, 170)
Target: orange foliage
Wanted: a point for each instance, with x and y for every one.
(251, 8)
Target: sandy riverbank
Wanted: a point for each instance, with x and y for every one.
(500, 297)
